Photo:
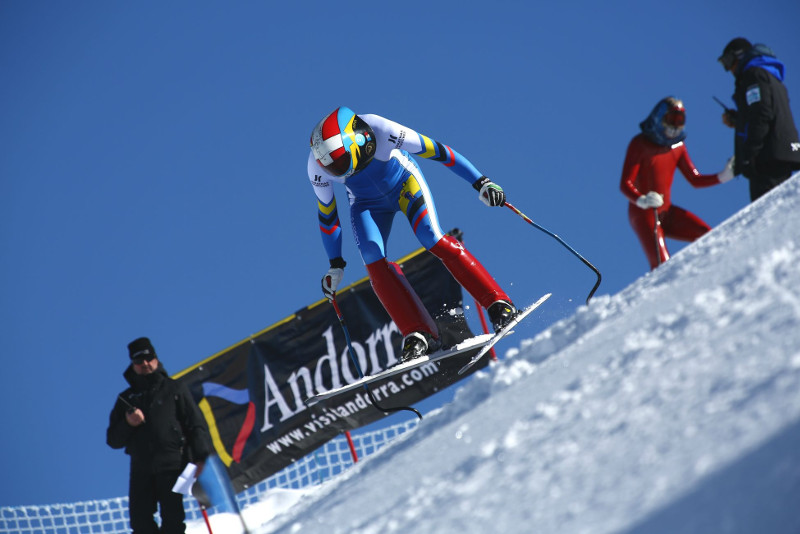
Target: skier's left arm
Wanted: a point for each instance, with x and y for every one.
(416, 143)
(694, 177)
(489, 192)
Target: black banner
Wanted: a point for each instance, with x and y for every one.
(252, 393)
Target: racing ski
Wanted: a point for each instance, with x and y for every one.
(503, 332)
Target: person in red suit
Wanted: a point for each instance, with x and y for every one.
(647, 175)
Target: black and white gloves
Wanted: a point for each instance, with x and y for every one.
(332, 278)
(489, 192)
(650, 200)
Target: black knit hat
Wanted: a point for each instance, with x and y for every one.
(141, 348)
(734, 50)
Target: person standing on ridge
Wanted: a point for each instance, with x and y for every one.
(767, 147)
(162, 429)
(647, 175)
(371, 156)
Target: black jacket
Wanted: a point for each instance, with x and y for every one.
(765, 129)
(174, 431)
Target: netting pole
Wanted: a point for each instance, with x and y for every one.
(352, 446)
(205, 517)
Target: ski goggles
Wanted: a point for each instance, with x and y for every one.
(675, 118)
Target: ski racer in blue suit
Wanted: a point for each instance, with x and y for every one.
(371, 156)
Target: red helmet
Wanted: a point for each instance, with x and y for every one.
(675, 115)
(665, 124)
(343, 143)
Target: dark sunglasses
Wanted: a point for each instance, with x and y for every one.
(142, 359)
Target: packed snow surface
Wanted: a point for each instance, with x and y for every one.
(671, 407)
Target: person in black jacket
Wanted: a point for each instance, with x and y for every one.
(162, 429)
(767, 148)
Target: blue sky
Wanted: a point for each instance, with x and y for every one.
(153, 172)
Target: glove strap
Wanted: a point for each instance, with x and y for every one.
(480, 182)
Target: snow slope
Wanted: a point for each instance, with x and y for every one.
(672, 407)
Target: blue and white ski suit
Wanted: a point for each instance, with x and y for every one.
(393, 182)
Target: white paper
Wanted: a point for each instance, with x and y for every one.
(186, 480)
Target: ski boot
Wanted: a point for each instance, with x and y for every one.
(501, 313)
(418, 344)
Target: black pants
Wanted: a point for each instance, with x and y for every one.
(145, 492)
(770, 175)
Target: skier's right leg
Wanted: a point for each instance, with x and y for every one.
(371, 227)
(644, 225)
(404, 306)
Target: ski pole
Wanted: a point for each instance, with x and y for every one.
(353, 357)
(554, 236)
(656, 225)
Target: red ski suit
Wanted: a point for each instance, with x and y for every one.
(651, 167)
